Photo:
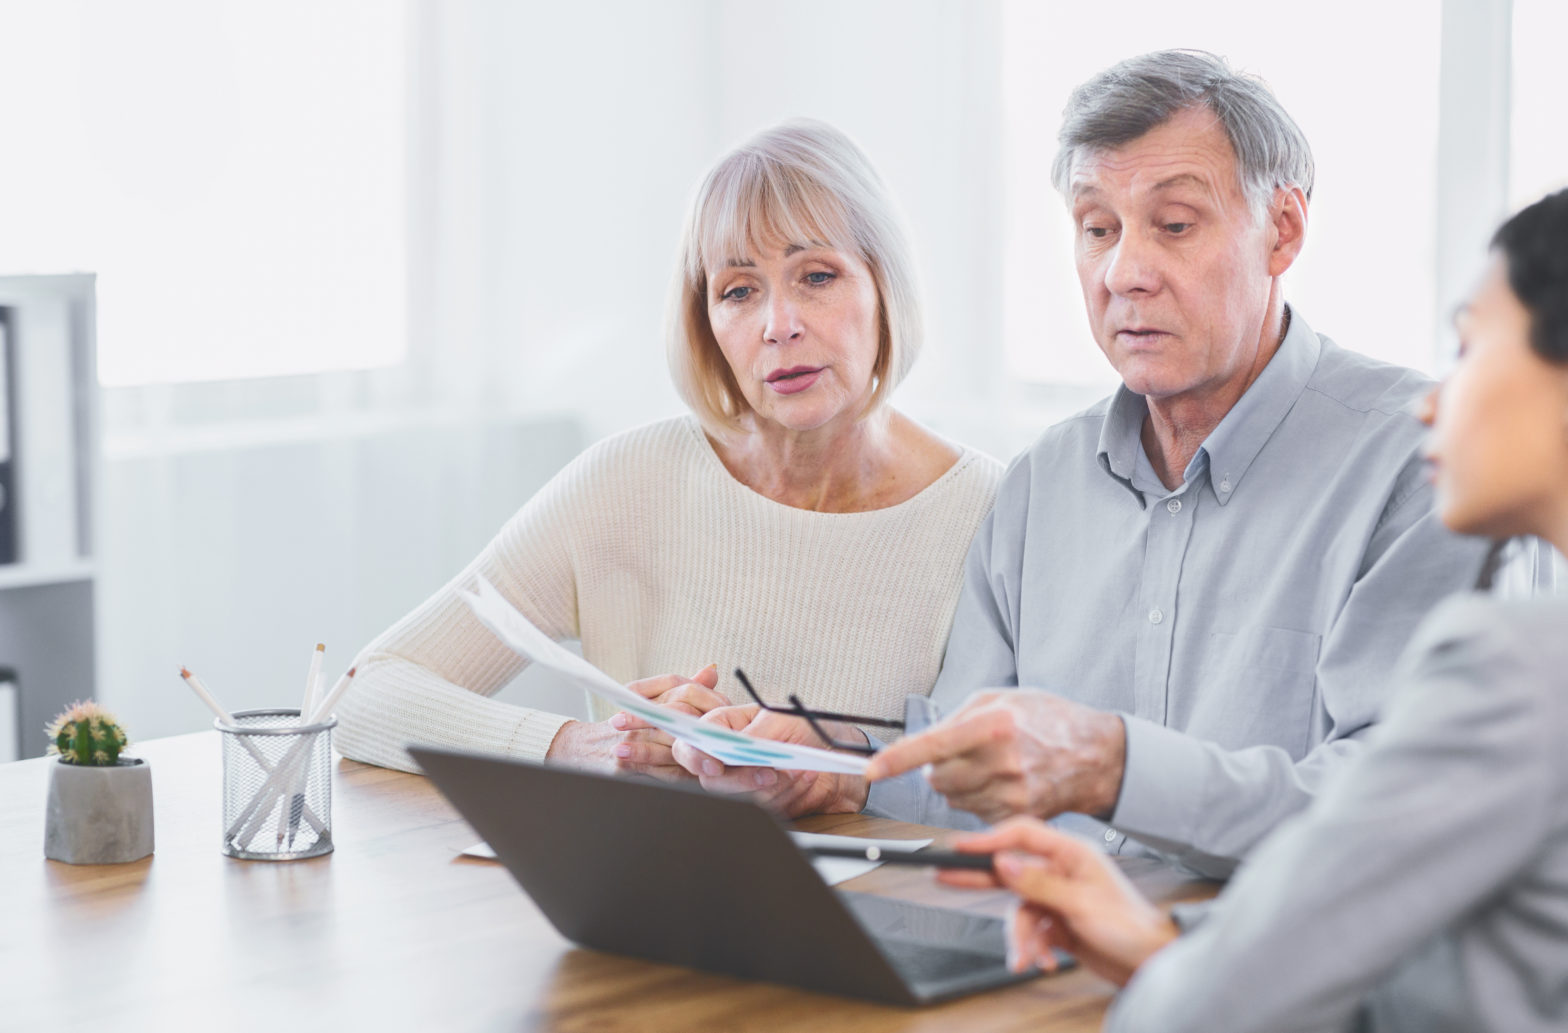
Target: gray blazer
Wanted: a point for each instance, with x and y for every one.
(1426, 889)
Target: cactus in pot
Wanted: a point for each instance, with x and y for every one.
(87, 734)
(99, 809)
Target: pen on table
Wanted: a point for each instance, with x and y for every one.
(924, 858)
(297, 801)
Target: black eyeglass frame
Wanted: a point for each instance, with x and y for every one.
(798, 709)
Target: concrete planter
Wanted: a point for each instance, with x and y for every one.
(99, 815)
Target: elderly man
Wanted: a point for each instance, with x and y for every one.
(1202, 583)
(1185, 608)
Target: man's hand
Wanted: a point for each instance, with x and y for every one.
(1073, 897)
(1018, 751)
(628, 745)
(788, 793)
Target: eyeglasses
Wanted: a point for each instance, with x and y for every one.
(798, 709)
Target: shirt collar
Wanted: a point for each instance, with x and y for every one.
(1232, 446)
(1120, 438)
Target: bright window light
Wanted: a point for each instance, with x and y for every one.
(1359, 78)
(233, 171)
(1538, 163)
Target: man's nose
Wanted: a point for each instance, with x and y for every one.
(1133, 267)
(783, 323)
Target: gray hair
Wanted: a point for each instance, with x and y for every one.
(800, 182)
(1132, 97)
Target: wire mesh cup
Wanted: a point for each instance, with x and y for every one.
(277, 786)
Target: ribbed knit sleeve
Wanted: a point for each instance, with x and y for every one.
(429, 678)
(648, 550)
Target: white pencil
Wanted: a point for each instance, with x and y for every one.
(297, 797)
(206, 697)
(324, 708)
(312, 682)
(277, 784)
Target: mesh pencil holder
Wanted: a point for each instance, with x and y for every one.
(277, 786)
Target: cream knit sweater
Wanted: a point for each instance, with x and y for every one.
(650, 552)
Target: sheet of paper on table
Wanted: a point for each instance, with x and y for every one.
(833, 870)
(733, 748)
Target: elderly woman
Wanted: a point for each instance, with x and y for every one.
(1427, 888)
(794, 525)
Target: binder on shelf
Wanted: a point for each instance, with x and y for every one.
(10, 725)
(8, 508)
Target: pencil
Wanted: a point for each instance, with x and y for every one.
(312, 681)
(324, 708)
(205, 696)
(297, 800)
(249, 822)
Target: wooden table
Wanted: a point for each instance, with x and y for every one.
(395, 931)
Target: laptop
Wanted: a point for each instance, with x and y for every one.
(679, 876)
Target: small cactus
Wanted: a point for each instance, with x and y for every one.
(86, 734)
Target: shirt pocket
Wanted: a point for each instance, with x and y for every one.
(1263, 682)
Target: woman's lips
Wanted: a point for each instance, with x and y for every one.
(794, 380)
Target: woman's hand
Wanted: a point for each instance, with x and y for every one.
(627, 745)
(789, 793)
(1073, 897)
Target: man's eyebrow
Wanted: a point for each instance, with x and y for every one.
(1183, 179)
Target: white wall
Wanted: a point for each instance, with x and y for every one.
(553, 151)
(235, 558)
(582, 130)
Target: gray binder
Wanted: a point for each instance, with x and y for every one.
(8, 507)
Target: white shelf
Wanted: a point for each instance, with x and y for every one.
(47, 631)
(24, 575)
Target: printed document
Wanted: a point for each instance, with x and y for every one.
(733, 748)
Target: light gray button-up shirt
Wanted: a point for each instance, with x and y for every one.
(1426, 889)
(1245, 624)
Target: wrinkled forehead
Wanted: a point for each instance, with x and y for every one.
(1188, 151)
(761, 215)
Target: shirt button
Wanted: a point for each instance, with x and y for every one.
(1174, 505)
(1155, 616)
(1225, 483)
(1110, 835)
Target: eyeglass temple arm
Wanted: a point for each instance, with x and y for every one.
(869, 747)
(800, 709)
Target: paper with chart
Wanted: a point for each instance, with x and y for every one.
(733, 748)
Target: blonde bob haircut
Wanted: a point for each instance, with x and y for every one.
(800, 182)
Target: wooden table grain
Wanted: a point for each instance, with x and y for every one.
(394, 930)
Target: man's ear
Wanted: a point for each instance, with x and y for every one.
(1288, 220)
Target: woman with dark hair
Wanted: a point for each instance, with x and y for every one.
(1427, 888)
